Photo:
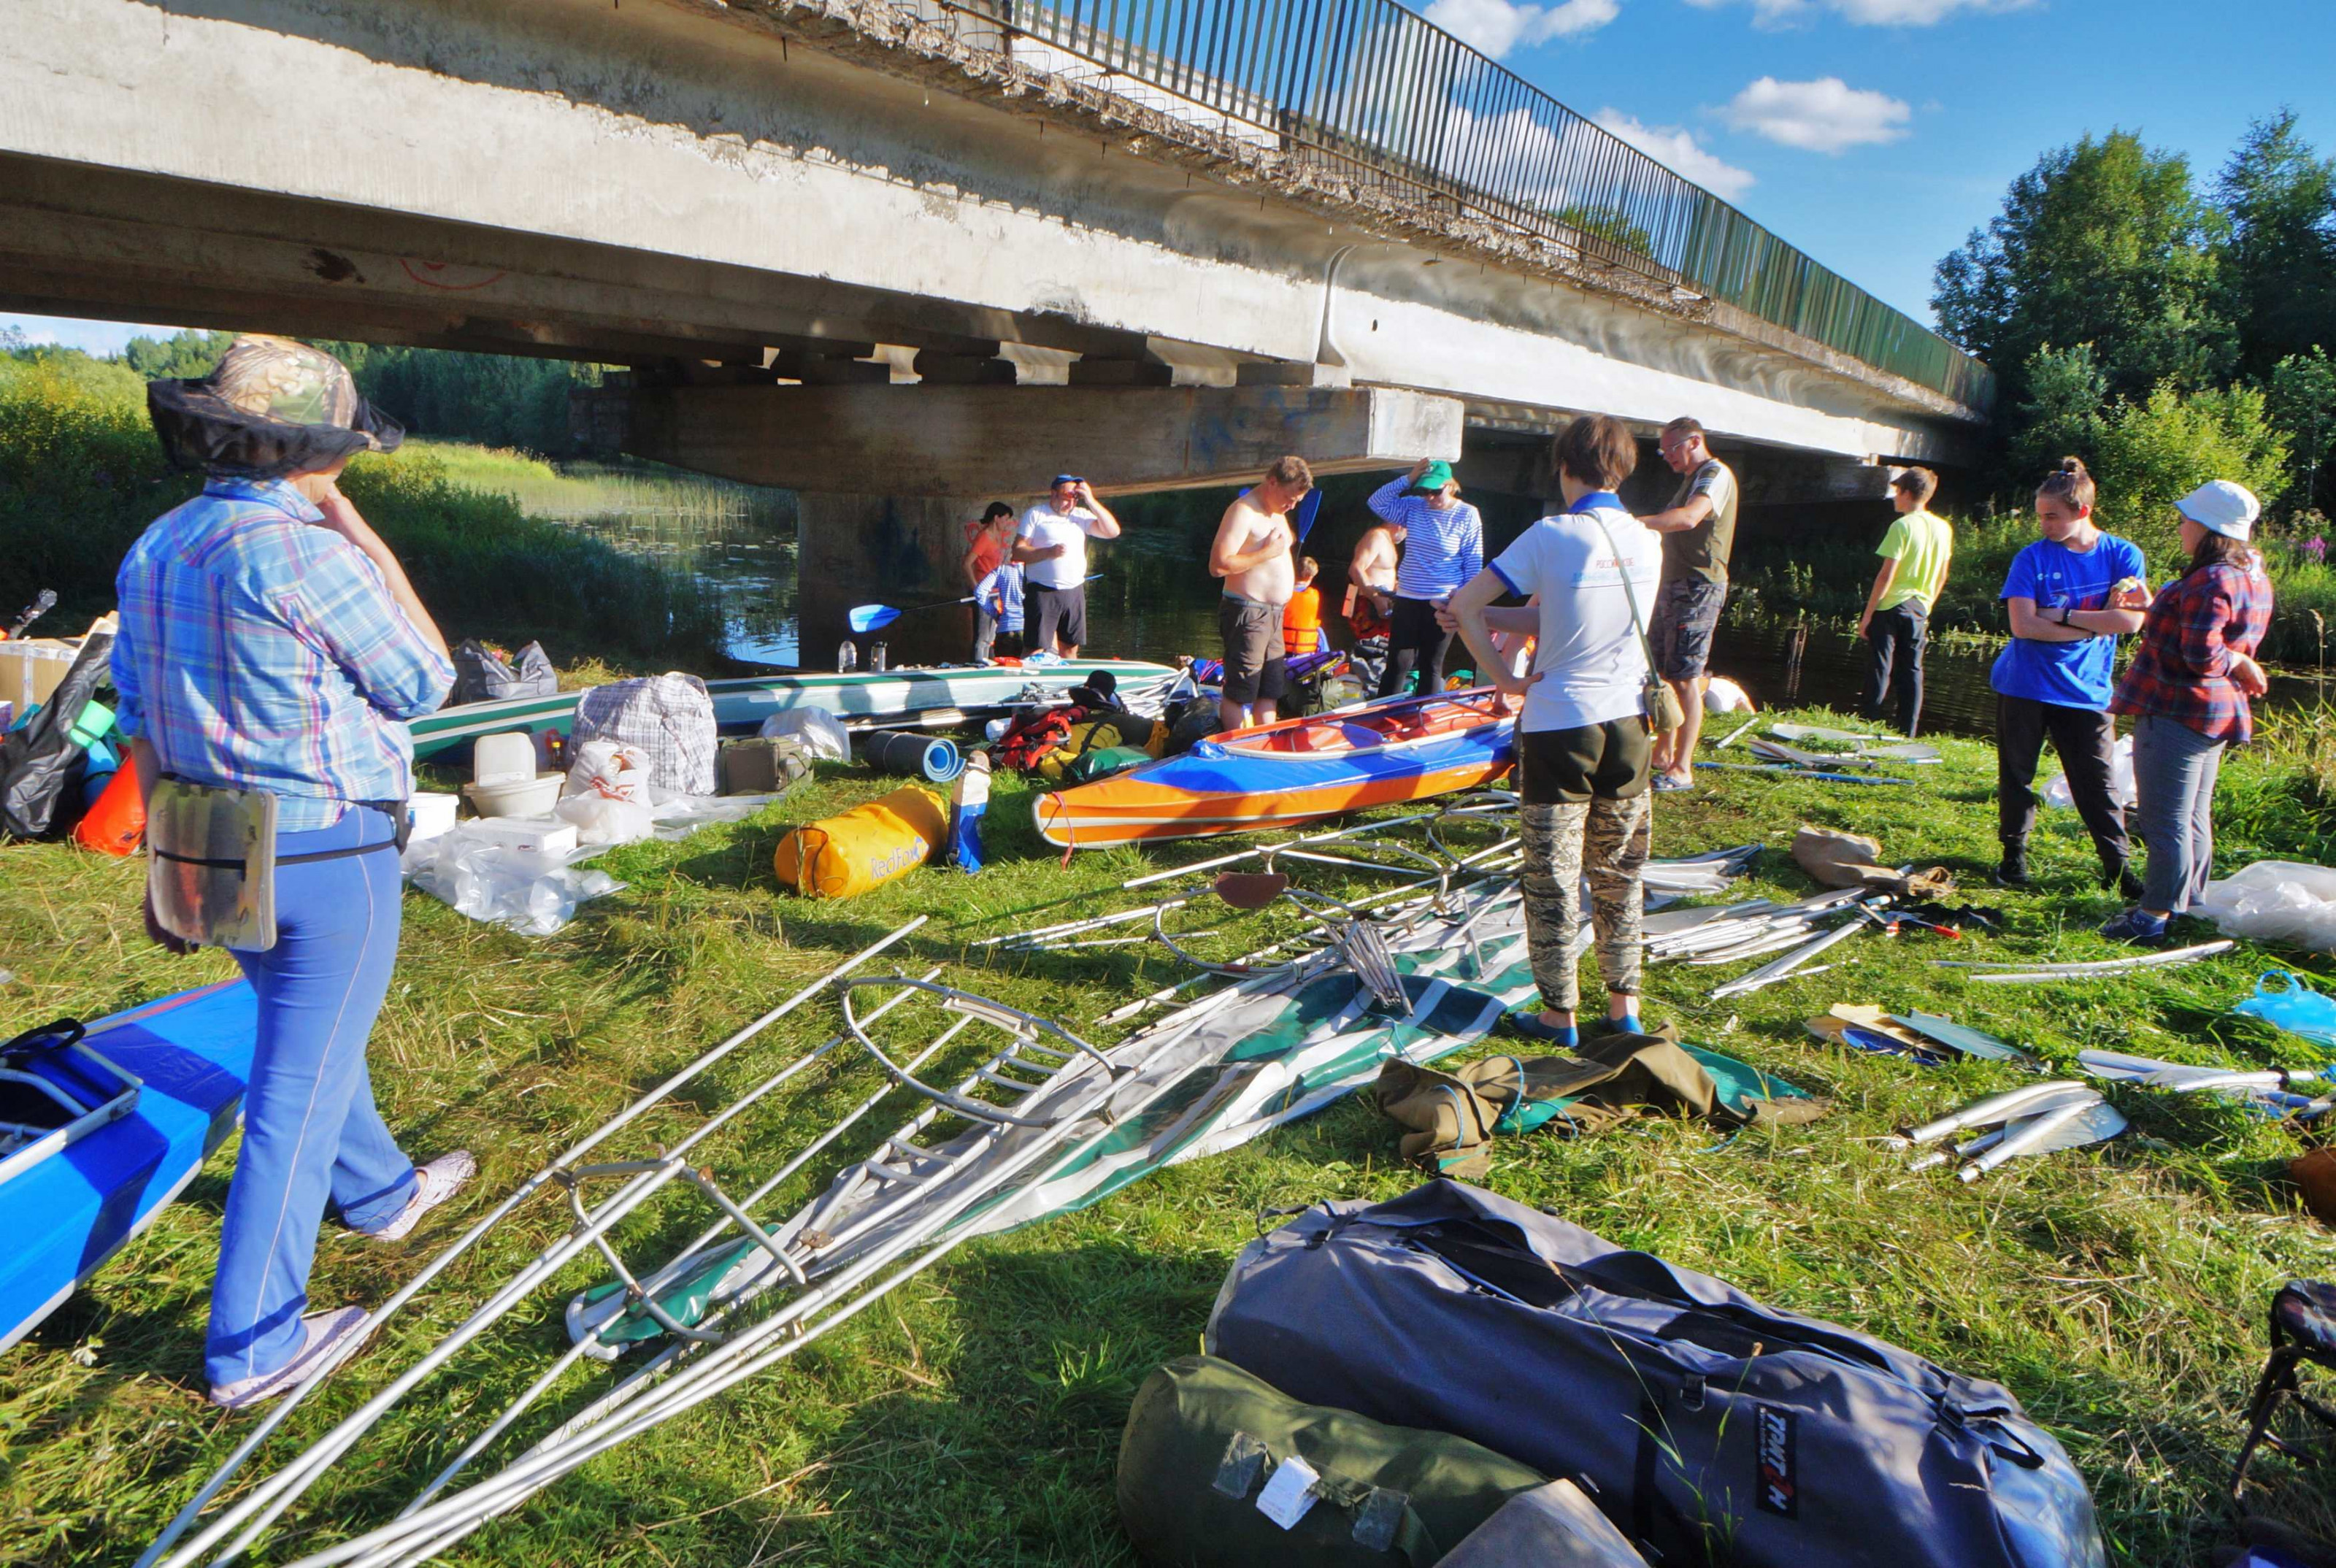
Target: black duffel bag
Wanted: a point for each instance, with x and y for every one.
(1707, 1426)
(41, 762)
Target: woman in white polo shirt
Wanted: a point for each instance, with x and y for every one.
(1584, 747)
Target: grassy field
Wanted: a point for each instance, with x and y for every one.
(974, 1417)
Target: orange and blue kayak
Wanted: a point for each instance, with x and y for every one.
(1300, 770)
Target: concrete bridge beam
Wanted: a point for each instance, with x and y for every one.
(976, 439)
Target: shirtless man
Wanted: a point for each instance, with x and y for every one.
(1372, 573)
(1252, 554)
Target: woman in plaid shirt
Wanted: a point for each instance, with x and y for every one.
(2187, 690)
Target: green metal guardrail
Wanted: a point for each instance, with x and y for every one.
(1388, 95)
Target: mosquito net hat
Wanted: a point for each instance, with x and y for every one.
(270, 408)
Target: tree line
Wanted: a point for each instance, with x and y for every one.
(2166, 330)
(494, 399)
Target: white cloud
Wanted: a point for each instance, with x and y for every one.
(1865, 13)
(1826, 115)
(1498, 26)
(1678, 147)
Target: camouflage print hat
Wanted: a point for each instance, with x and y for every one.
(270, 408)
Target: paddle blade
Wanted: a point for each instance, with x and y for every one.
(868, 618)
(1301, 520)
(1251, 890)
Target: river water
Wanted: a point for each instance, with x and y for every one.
(1153, 599)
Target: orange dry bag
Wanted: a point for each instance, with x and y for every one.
(116, 823)
(865, 847)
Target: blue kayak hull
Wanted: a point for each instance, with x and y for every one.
(66, 1215)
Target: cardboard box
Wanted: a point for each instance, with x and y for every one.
(31, 668)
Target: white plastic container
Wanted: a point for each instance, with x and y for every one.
(431, 812)
(549, 838)
(503, 779)
(533, 796)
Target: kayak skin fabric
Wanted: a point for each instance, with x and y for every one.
(1295, 771)
(745, 702)
(70, 1212)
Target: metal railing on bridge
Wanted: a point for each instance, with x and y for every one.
(1386, 96)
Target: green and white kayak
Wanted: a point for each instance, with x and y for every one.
(745, 702)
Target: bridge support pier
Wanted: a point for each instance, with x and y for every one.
(854, 549)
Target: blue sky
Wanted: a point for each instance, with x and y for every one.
(1874, 134)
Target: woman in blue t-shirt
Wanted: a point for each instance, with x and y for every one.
(2070, 595)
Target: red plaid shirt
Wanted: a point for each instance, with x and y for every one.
(2181, 668)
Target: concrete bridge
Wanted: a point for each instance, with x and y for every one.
(902, 258)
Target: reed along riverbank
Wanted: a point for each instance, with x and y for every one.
(975, 1416)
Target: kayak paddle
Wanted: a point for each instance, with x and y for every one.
(867, 618)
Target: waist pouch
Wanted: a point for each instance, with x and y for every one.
(210, 873)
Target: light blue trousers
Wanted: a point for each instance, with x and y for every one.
(310, 1131)
(2173, 773)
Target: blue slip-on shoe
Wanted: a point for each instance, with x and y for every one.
(1669, 782)
(2138, 927)
(1530, 1025)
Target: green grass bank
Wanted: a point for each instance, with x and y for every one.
(81, 475)
(973, 1418)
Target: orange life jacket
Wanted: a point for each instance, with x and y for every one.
(1302, 622)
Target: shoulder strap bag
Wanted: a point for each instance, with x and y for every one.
(1657, 700)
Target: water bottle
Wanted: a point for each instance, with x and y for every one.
(876, 656)
(847, 656)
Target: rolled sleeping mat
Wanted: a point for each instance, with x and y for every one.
(932, 757)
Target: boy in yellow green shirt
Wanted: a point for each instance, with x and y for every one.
(1915, 554)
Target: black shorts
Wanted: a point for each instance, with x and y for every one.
(1055, 615)
(1568, 767)
(1255, 670)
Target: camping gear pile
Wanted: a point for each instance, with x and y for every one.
(1703, 1423)
(1092, 735)
(62, 754)
(1010, 1118)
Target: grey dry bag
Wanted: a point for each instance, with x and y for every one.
(1708, 1427)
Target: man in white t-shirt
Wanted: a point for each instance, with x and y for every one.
(1051, 547)
(1584, 753)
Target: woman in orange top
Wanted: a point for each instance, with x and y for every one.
(1301, 620)
(987, 543)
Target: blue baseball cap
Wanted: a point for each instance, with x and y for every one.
(1062, 479)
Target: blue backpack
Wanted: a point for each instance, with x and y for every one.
(1706, 1427)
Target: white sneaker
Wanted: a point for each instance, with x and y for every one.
(328, 1337)
(433, 1184)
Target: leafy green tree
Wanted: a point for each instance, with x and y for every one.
(2066, 405)
(183, 356)
(2303, 405)
(2103, 242)
(2278, 262)
(2153, 452)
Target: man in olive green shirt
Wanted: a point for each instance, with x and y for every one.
(1915, 554)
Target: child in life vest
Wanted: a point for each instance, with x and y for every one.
(1301, 619)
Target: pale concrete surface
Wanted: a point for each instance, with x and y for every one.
(661, 178)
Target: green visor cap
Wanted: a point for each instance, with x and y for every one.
(1436, 476)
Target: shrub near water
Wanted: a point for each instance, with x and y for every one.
(81, 475)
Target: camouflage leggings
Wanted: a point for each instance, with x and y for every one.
(1613, 836)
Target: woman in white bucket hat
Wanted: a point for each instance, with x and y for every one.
(2187, 691)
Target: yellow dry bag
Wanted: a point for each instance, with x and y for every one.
(866, 847)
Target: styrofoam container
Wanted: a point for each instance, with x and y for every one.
(507, 758)
(550, 838)
(532, 795)
(431, 812)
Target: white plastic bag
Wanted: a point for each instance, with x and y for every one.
(608, 795)
(530, 893)
(821, 733)
(2276, 902)
(2058, 794)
